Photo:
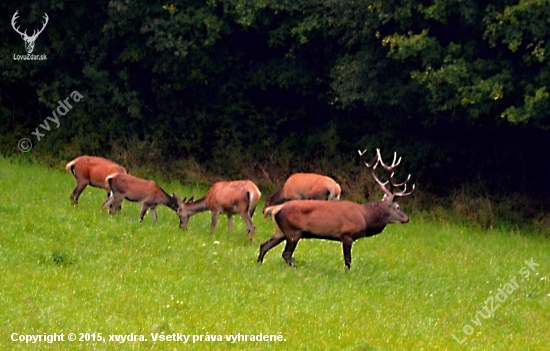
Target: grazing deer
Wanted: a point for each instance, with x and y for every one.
(93, 171)
(146, 192)
(343, 221)
(304, 186)
(236, 197)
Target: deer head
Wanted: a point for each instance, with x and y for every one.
(29, 40)
(185, 210)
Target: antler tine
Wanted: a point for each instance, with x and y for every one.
(14, 18)
(15, 15)
(403, 183)
(393, 164)
(43, 26)
(13, 23)
(391, 173)
(371, 168)
(362, 155)
(404, 193)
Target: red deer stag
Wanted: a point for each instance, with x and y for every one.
(146, 192)
(343, 221)
(236, 197)
(304, 186)
(93, 171)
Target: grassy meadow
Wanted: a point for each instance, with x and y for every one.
(78, 270)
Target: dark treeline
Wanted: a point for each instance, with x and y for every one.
(458, 88)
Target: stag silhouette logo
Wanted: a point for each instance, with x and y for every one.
(29, 40)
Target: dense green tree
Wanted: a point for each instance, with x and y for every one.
(459, 88)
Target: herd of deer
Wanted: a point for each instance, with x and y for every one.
(307, 206)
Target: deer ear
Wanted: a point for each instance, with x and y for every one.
(191, 199)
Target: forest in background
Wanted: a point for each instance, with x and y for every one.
(262, 89)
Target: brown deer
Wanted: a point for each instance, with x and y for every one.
(236, 197)
(343, 221)
(146, 192)
(304, 186)
(93, 171)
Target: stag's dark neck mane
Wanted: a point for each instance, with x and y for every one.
(377, 214)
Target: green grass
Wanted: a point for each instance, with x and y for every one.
(79, 270)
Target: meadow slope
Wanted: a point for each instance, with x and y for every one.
(79, 270)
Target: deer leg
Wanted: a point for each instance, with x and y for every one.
(268, 245)
(215, 215)
(230, 222)
(108, 196)
(113, 203)
(346, 246)
(80, 186)
(251, 212)
(249, 226)
(154, 213)
(107, 203)
(116, 207)
(144, 208)
(289, 250)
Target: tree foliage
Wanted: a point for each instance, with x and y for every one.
(459, 88)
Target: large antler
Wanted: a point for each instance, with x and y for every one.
(13, 19)
(34, 33)
(372, 166)
(389, 169)
(43, 25)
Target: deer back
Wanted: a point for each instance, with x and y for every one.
(310, 186)
(232, 196)
(94, 169)
(136, 189)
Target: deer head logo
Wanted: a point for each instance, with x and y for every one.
(29, 41)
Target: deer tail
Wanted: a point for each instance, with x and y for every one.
(271, 211)
(335, 193)
(70, 165)
(109, 180)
